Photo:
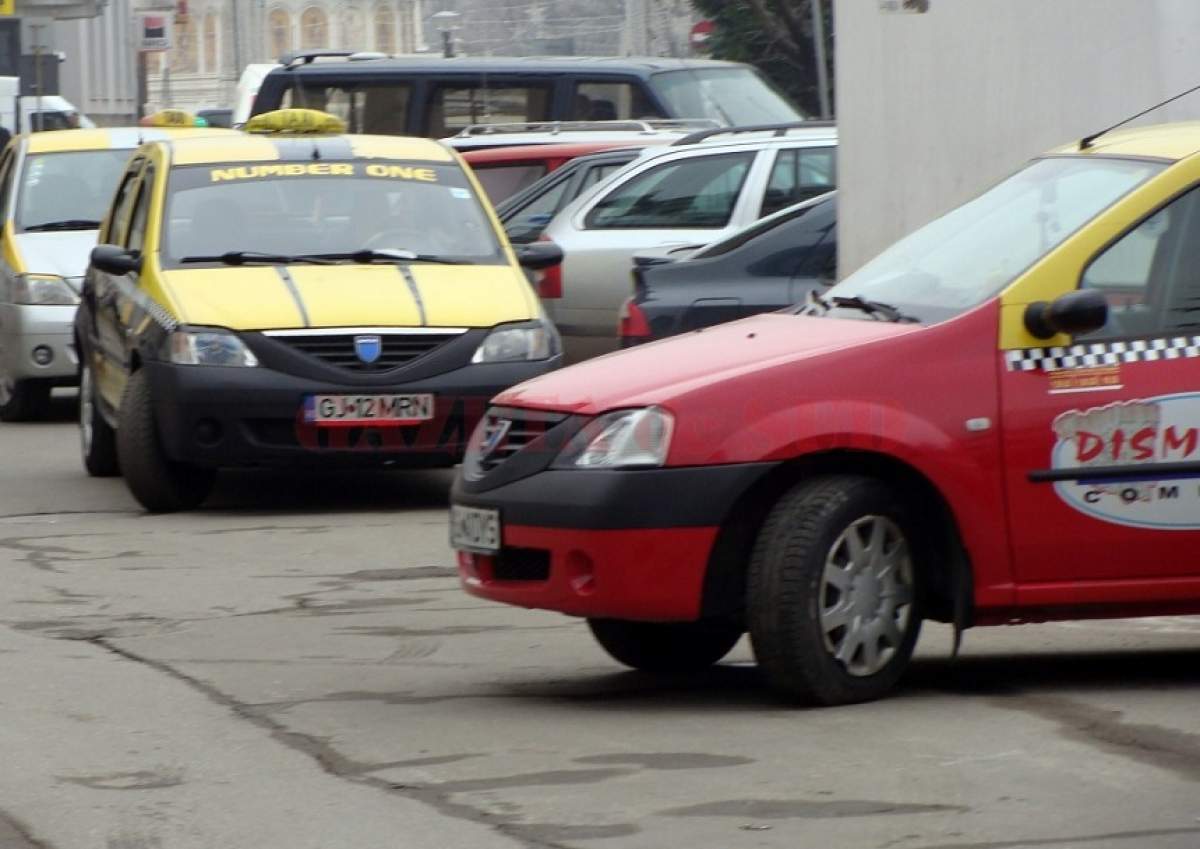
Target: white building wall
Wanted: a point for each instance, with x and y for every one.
(933, 108)
(99, 72)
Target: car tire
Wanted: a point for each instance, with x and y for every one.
(158, 483)
(833, 595)
(23, 400)
(666, 647)
(97, 439)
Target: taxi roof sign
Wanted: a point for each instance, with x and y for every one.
(172, 118)
(296, 122)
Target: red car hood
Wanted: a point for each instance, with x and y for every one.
(655, 373)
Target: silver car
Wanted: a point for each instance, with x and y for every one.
(55, 187)
(696, 191)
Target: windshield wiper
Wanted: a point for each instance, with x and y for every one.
(243, 257)
(369, 255)
(877, 308)
(874, 308)
(67, 224)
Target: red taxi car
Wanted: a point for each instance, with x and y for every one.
(997, 420)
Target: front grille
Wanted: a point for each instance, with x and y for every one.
(505, 434)
(338, 349)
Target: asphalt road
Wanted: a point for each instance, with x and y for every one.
(295, 666)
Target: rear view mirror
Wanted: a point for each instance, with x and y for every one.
(1075, 313)
(537, 256)
(112, 259)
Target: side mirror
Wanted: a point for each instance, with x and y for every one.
(538, 256)
(1081, 311)
(112, 259)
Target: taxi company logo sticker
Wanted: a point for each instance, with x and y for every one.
(1137, 434)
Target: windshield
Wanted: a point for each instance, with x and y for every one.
(963, 258)
(306, 208)
(68, 190)
(733, 96)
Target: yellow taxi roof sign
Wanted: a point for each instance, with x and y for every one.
(296, 122)
(172, 118)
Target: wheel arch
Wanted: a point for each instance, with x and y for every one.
(949, 584)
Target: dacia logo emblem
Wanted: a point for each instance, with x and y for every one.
(493, 436)
(368, 348)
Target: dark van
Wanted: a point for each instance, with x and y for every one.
(436, 97)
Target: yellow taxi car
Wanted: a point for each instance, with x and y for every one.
(54, 189)
(295, 295)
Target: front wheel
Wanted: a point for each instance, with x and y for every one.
(158, 483)
(666, 647)
(833, 596)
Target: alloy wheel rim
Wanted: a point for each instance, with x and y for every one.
(866, 595)
(85, 410)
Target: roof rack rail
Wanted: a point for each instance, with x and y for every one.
(776, 129)
(306, 57)
(634, 126)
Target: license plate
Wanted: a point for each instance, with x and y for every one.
(368, 409)
(474, 529)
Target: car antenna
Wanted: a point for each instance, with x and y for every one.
(1086, 141)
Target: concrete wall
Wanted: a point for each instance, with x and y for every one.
(99, 72)
(933, 108)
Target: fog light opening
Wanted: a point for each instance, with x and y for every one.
(43, 355)
(208, 432)
(581, 573)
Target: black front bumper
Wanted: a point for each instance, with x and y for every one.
(214, 416)
(630, 499)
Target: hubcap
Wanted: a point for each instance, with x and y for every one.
(85, 410)
(866, 595)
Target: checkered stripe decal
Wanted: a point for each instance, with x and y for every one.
(1103, 354)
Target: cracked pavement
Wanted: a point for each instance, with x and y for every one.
(295, 666)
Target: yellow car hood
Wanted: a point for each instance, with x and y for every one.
(266, 297)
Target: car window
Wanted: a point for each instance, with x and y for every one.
(373, 109)
(6, 180)
(699, 193)
(452, 107)
(340, 208)
(504, 181)
(136, 237)
(599, 172)
(527, 222)
(1149, 275)
(610, 101)
(118, 216)
(799, 174)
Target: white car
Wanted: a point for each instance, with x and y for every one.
(700, 189)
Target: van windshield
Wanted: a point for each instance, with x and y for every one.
(973, 253)
(318, 208)
(733, 96)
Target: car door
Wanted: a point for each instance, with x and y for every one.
(694, 199)
(108, 297)
(1102, 438)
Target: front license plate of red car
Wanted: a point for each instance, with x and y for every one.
(474, 529)
(347, 410)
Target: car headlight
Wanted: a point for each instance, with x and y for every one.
(511, 343)
(209, 348)
(43, 289)
(621, 440)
